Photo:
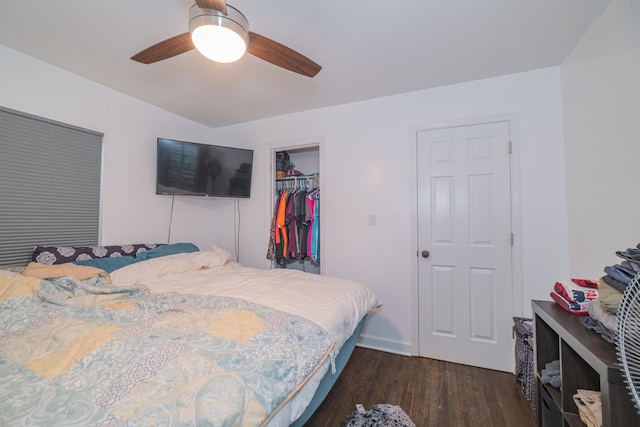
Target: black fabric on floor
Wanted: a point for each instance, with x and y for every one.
(381, 415)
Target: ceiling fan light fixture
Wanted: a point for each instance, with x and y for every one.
(219, 37)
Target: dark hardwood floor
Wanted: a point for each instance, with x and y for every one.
(432, 392)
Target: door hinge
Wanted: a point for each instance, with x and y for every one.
(510, 147)
(511, 239)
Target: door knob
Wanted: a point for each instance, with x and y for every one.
(425, 254)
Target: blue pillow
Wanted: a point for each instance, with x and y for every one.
(108, 264)
(164, 250)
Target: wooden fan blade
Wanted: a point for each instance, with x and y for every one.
(219, 5)
(280, 55)
(165, 49)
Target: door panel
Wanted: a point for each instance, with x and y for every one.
(464, 221)
(443, 293)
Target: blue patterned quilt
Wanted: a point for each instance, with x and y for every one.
(82, 353)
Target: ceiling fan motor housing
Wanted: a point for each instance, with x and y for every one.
(233, 20)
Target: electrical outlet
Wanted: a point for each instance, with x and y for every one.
(372, 219)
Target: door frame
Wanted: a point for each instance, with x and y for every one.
(516, 212)
(270, 151)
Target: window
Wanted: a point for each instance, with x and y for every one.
(49, 185)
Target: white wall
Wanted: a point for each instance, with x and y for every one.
(368, 153)
(131, 211)
(601, 108)
(368, 161)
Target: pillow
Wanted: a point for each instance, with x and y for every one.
(217, 256)
(63, 254)
(108, 264)
(164, 250)
(142, 271)
(44, 271)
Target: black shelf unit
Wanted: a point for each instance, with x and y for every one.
(586, 362)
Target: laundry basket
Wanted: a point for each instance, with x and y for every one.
(525, 369)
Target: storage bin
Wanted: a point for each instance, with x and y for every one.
(550, 415)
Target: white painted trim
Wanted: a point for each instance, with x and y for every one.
(381, 344)
(413, 249)
(516, 213)
(271, 149)
(516, 216)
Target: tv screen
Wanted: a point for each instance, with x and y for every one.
(194, 169)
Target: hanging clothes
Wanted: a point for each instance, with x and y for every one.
(301, 223)
(281, 227)
(313, 237)
(316, 229)
(295, 226)
(271, 248)
(311, 219)
(292, 229)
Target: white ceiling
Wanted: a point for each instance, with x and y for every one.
(367, 48)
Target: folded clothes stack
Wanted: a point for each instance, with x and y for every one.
(600, 300)
(551, 374)
(603, 312)
(620, 275)
(601, 321)
(574, 295)
(589, 403)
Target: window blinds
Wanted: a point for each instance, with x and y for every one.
(49, 185)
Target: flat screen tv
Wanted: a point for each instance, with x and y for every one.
(194, 169)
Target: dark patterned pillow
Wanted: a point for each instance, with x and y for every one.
(62, 254)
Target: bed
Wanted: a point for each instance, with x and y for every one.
(178, 338)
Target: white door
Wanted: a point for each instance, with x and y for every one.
(464, 225)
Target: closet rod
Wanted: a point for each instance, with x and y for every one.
(291, 182)
(295, 178)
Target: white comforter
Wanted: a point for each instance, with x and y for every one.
(335, 304)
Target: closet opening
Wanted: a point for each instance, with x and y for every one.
(295, 237)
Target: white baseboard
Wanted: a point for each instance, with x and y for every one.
(383, 344)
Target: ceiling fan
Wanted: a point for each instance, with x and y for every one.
(209, 19)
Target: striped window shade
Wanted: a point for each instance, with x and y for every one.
(50, 176)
